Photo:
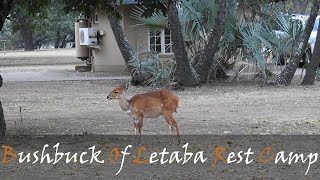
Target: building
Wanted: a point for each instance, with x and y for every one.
(105, 55)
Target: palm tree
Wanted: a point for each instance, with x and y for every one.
(286, 76)
(311, 68)
(185, 74)
(125, 48)
(197, 29)
(212, 47)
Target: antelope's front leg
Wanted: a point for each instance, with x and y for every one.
(135, 125)
(135, 121)
(136, 128)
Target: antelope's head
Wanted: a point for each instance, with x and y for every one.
(117, 92)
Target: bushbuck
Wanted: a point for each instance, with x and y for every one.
(148, 105)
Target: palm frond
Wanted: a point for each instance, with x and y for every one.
(252, 41)
(154, 70)
(318, 74)
(156, 21)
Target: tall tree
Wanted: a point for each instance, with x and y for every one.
(185, 73)
(311, 68)
(57, 26)
(26, 34)
(212, 47)
(3, 127)
(188, 74)
(5, 7)
(286, 76)
(23, 22)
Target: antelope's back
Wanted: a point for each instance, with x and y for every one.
(167, 99)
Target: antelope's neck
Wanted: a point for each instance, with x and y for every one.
(124, 103)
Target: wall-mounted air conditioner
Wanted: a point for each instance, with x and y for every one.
(88, 36)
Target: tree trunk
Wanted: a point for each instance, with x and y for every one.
(57, 42)
(3, 127)
(203, 68)
(314, 63)
(27, 38)
(1, 80)
(185, 74)
(286, 76)
(64, 41)
(127, 53)
(73, 41)
(5, 7)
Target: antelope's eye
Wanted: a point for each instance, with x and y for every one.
(116, 92)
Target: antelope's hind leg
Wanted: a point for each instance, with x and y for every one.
(172, 123)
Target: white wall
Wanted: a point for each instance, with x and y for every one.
(109, 57)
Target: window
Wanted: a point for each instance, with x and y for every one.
(160, 41)
(96, 18)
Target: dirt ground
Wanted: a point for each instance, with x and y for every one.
(56, 100)
(81, 107)
(39, 57)
(76, 107)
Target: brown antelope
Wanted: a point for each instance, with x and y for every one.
(148, 105)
